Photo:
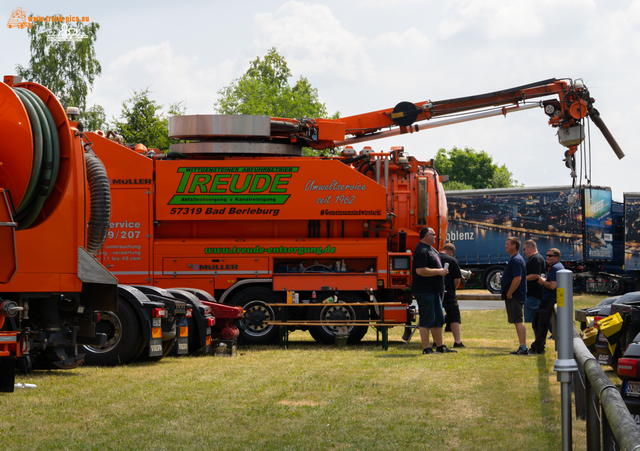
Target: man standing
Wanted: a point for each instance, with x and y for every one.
(535, 267)
(542, 318)
(427, 287)
(450, 301)
(514, 291)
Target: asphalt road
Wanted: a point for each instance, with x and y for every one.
(481, 305)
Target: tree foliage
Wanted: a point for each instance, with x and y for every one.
(142, 121)
(67, 67)
(264, 90)
(471, 169)
(94, 119)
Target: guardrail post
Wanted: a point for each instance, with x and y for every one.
(579, 390)
(593, 422)
(565, 364)
(608, 440)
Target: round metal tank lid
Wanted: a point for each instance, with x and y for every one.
(238, 148)
(218, 125)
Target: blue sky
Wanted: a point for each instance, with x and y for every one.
(365, 55)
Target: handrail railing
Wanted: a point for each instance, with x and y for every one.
(595, 389)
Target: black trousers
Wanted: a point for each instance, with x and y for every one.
(540, 323)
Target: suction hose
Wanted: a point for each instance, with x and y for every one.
(100, 213)
(46, 159)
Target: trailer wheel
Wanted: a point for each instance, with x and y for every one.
(615, 287)
(124, 337)
(328, 312)
(492, 277)
(255, 302)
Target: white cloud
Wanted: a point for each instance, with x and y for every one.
(506, 19)
(314, 41)
(171, 77)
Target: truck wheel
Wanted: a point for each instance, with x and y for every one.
(615, 287)
(492, 277)
(124, 337)
(328, 312)
(255, 302)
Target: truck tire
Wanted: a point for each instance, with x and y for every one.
(256, 303)
(336, 311)
(615, 287)
(124, 337)
(491, 279)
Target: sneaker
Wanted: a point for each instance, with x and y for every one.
(442, 349)
(532, 351)
(427, 351)
(520, 351)
(459, 345)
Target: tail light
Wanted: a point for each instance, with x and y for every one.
(628, 367)
(96, 317)
(189, 313)
(158, 313)
(211, 321)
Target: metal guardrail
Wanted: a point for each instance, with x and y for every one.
(600, 403)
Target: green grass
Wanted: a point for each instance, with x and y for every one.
(308, 397)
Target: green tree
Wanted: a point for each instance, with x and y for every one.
(471, 169)
(452, 185)
(264, 90)
(67, 67)
(94, 119)
(142, 121)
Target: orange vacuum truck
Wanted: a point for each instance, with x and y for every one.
(51, 286)
(238, 211)
(59, 306)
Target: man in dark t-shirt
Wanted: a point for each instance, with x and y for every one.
(428, 286)
(450, 301)
(535, 266)
(514, 291)
(542, 318)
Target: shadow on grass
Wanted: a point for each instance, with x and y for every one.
(547, 411)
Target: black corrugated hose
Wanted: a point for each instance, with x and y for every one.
(100, 213)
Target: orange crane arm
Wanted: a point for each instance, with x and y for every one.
(569, 103)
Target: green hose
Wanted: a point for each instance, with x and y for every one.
(46, 159)
(55, 141)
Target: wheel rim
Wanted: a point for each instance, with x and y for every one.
(614, 286)
(494, 281)
(256, 313)
(111, 326)
(337, 312)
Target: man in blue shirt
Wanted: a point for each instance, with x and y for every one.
(542, 318)
(514, 291)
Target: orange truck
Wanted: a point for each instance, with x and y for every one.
(237, 211)
(57, 301)
(51, 286)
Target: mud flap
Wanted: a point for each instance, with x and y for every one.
(7, 374)
(182, 343)
(155, 347)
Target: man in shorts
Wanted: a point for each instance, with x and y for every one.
(450, 301)
(535, 267)
(514, 291)
(428, 286)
